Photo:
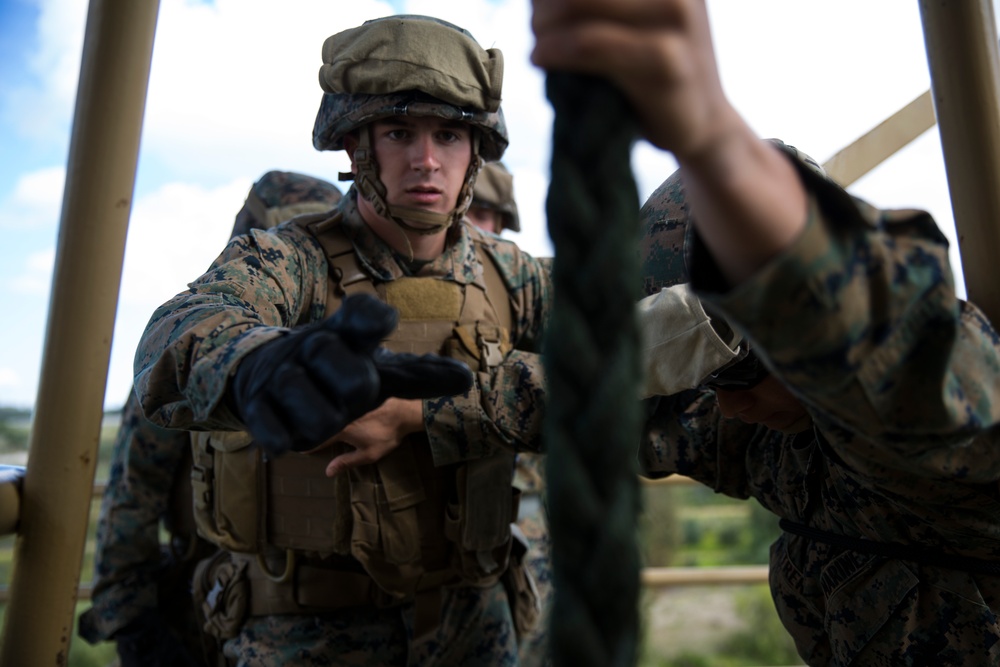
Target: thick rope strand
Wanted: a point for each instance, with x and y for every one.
(591, 357)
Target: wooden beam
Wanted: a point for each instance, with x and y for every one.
(882, 142)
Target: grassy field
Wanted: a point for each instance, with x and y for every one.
(733, 626)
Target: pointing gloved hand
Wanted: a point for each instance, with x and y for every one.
(297, 391)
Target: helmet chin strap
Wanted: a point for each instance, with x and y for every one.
(371, 187)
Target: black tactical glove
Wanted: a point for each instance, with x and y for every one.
(299, 390)
(148, 642)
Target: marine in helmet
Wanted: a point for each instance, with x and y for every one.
(358, 486)
(493, 206)
(494, 209)
(851, 494)
(852, 497)
(141, 596)
(888, 499)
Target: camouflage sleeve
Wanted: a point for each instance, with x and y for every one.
(515, 403)
(507, 410)
(534, 295)
(860, 316)
(144, 462)
(261, 284)
(685, 434)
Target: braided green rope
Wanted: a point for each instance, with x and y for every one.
(591, 351)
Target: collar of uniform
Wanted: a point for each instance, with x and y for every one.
(458, 263)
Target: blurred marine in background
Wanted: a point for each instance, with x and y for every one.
(142, 587)
(494, 209)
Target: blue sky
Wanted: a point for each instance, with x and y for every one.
(233, 93)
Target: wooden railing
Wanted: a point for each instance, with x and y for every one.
(652, 577)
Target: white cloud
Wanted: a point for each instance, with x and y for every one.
(236, 83)
(812, 73)
(174, 234)
(43, 110)
(8, 378)
(36, 200)
(233, 93)
(234, 89)
(530, 189)
(36, 277)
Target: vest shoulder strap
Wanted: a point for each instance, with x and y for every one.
(497, 290)
(348, 277)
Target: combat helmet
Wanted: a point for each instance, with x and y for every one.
(495, 190)
(409, 65)
(278, 196)
(663, 223)
(664, 220)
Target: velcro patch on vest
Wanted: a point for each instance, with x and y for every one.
(424, 298)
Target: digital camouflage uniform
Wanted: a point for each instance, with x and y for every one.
(860, 319)
(149, 476)
(495, 190)
(265, 283)
(133, 573)
(283, 279)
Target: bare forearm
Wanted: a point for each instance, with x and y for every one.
(747, 201)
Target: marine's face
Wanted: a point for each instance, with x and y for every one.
(485, 218)
(422, 160)
(768, 403)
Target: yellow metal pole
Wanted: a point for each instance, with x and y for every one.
(961, 40)
(882, 141)
(100, 179)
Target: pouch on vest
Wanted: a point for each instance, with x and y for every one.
(221, 594)
(384, 509)
(397, 505)
(480, 521)
(228, 489)
(305, 508)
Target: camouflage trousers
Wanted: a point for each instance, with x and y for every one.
(476, 630)
(533, 647)
(845, 608)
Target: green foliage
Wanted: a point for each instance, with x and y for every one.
(760, 639)
(730, 532)
(692, 526)
(13, 438)
(765, 641)
(684, 659)
(14, 414)
(659, 530)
